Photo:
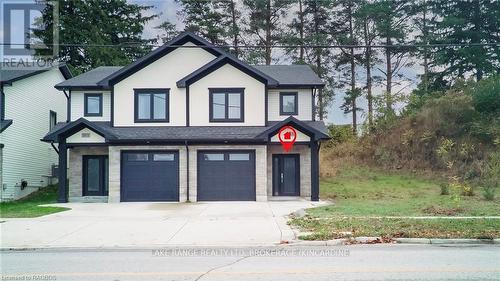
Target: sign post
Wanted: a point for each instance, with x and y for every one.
(287, 136)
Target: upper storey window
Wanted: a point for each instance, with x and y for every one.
(151, 105)
(93, 105)
(288, 103)
(226, 104)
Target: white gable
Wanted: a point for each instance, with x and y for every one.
(85, 135)
(301, 137)
(162, 73)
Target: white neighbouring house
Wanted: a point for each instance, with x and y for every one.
(189, 122)
(29, 106)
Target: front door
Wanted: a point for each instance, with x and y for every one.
(286, 175)
(95, 175)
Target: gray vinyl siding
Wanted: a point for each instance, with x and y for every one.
(28, 102)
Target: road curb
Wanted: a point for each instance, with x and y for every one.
(376, 240)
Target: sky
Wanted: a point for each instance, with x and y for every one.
(168, 11)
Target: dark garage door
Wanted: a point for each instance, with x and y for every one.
(150, 176)
(226, 176)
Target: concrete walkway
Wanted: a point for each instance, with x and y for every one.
(155, 224)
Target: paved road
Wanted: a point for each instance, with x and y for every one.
(356, 262)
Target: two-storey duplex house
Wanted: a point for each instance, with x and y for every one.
(29, 106)
(188, 122)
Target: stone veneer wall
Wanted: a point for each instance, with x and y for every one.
(75, 169)
(305, 167)
(260, 167)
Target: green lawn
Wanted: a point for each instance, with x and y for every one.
(361, 193)
(28, 207)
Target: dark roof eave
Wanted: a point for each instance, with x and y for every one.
(82, 88)
(297, 86)
(6, 123)
(218, 63)
(313, 133)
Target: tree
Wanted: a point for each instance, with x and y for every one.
(392, 22)
(169, 31)
(467, 22)
(264, 24)
(366, 18)
(203, 18)
(347, 35)
(107, 22)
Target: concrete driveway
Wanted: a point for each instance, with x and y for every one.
(155, 224)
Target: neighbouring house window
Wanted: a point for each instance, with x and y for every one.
(93, 105)
(226, 105)
(151, 105)
(288, 103)
(52, 119)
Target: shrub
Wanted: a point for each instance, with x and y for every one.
(445, 189)
(486, 95)
(489, 193)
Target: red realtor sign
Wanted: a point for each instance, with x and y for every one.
(287, 136)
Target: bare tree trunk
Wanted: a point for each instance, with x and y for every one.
(318, 63)
(425, 33)
(368, 67)
(235, 28)
(388, 89)
(353, 73)
(268, 33)
(301, 31)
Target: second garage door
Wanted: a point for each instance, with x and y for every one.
(226, 176)
(150, 176)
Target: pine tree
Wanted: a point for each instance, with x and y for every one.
(467, 22)
(366, 19)
(393, 28)
(264, 25)
(107, 22)
(203, 18)
(348, 35)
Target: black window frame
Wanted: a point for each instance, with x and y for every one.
(52, 113)
(85, 101)
(151, 92)
(296, 105)
(226, 92)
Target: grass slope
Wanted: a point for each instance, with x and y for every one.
(361, 194)
(28, 207)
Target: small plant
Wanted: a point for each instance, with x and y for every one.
(467, 190)
(489, 193)
(445, 189)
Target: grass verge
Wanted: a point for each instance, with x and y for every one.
(395, 228)
(28, 207)
(368, 192)
(362, 194)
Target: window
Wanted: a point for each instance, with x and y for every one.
(93, 105)
(213, 156)
(137, 157)
(288, 103)
(151, 105)
(226, 105)
(239, 157)
(163, 157)
(52, 119)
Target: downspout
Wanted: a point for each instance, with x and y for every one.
(187, 170)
